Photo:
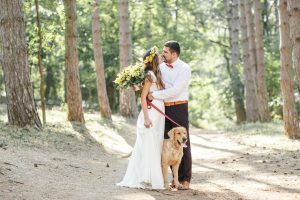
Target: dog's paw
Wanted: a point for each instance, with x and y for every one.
(167, 186)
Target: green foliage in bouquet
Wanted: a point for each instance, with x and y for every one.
(130, 76)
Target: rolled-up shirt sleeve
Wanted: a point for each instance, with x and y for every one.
(182, 82)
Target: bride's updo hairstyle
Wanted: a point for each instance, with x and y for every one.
(151, 62)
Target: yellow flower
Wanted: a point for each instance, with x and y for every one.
(130, 76)
(152, 54)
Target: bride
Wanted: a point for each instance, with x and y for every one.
(144, 167)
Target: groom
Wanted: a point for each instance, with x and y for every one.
(176, 75)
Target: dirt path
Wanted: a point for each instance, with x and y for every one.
(74, 169)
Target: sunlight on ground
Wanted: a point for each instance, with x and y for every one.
(3, 111)
(101, 132)
(273, 141)
(270, 135)
(228, 165)
(205, 146)
(222, 166)
(109, 138)
(107, 134)
(104, 133)
(54, 116)
(258, 184)
(77, 135)
(140, 195)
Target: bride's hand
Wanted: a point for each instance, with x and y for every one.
(148, 123)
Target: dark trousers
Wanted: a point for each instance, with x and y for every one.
(179, 113)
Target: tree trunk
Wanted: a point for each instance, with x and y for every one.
(266, 22)
(251, 91)
(251, 99)
(176, 15)
(42, 82)
(276, 17)
(74, 98)
(290, 115)
(236, 83)
(99, 64)
(294, 11)
(260, 72)
(128, 106)
(19, 92)
(49, 82)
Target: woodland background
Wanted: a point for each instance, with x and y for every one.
(233, 48)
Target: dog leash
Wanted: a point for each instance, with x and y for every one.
(161, 112)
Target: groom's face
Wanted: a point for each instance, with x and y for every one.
(168, 55)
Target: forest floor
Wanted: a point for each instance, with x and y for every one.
(69, 161)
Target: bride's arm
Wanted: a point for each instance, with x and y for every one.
(145, 91)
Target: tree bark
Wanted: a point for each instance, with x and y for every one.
(99, 64)
(19, 92)
(49, 82)
(41, 70)
(250, 58)
(276, 17)
(74, 97)
(294, 10)
(260, 72)
(128, 106)
(266, 22)
(252, 104)
(290, 115)
(236, 83)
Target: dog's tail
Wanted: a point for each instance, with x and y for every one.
(127, 155)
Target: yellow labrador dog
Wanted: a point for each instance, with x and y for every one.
(172, 152)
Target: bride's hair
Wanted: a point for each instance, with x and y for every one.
(153, 65)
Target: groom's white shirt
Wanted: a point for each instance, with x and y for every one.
(176, 82)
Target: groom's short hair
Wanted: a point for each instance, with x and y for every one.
(174, 46)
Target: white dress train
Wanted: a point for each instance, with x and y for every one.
(144, 167)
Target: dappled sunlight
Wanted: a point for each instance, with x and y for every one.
(221, 68)
(202, 147)
(109, 138)
(105, 132)
(272, 141)
(226, 165)
(201, 166)
(222, 167)
(78, 135)
(54, 116)
(242, 180)
(259, 183)
(270, 135)
(3, 113)
(135, 195)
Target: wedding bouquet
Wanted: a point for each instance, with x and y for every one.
(130, 77)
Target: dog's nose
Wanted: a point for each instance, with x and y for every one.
(184, 139)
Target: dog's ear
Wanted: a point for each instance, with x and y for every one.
(171, 133)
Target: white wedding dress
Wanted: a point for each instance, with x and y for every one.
(144, 167)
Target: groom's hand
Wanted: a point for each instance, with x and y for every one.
(149, 96)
